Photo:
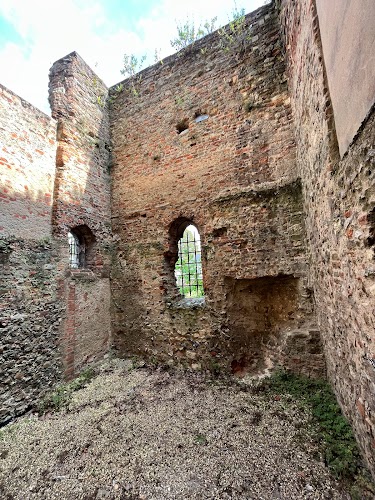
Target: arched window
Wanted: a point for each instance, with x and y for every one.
(188, 268)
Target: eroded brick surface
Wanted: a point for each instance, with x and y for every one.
(232, 174)
(82, 198)
(339, 206)
(236, 138)
(29, 307)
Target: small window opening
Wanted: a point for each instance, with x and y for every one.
(188, 268)
(182, 125)
(81, 247)
(76, 252)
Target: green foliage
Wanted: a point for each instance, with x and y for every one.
(188, 33)
(201, 439)
(60, 397)
(231, 33)
(132, 66)
(157, 58)
(100, 101)
(339, 448)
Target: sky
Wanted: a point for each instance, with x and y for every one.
(36, 33)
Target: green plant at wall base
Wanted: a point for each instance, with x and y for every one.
(335, 435)
(61, 396)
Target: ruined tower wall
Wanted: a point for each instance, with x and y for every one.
(340, 213)
(78, 101)
(29, 306)
(206, 136)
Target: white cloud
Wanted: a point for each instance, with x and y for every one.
(50, 29)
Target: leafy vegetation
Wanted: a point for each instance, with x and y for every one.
(132, 66)
(334, 433)
(232, 32)
(60, 397)
(188, 33)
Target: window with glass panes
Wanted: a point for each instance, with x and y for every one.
(188, 268)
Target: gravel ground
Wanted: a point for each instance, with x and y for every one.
(142, 434)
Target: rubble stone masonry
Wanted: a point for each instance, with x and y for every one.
(236, 135)
(206, 137)
(339, 200)
(29, 309)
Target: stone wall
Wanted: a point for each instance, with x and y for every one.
(340, 205)
(29, 307)
(206, 137)
(54, 179)
(78, 101)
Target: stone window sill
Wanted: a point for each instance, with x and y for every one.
(188, 303)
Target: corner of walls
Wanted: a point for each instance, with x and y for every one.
(79, 103)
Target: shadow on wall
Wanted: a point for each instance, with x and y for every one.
(259, 310)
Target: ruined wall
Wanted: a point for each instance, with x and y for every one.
(340, 206)
(205, 136)
(29, 306)
(27, 162)
(78, 101)
(349, 57)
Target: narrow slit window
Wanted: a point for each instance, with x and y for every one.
(74, 251)
(188, 269)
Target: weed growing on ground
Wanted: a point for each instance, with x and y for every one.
(201, 439)
(334, 434)
(61, 396)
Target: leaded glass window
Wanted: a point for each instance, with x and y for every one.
(74, 251)
(188, 268)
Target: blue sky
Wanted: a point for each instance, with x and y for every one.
(35, 33)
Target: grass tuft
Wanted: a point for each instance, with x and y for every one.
(60, 397)
(335, 436)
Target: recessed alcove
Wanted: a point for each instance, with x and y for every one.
(259, 310)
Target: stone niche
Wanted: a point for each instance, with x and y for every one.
(269, 325)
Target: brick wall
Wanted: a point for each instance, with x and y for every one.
(29, 307)
(78, 101)
(339, 204)
(234, 176)
(27, 168)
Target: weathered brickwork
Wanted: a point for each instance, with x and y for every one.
(29, 308)
(82, 200)
(236, 137)
(340, 206)
(233, 175)
(27, 168)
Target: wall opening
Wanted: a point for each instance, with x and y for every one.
(182, 125)
(259, 311)
(183, 261)
(81, 242)
(188, 268)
